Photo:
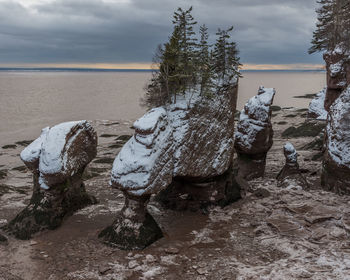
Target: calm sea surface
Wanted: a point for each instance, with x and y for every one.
(30, 101)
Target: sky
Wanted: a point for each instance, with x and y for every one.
(271, 34)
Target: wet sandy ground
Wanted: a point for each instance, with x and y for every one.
(272, 233)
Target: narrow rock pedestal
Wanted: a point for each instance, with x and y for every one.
(57, 159)
(134, 228)
(48, 208)
(290, 173)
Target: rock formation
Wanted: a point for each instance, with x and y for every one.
(338, 74)
(57, 159)
(189, 143)
(253, 138)
(290, 175)
(316, 107)
(336, 163)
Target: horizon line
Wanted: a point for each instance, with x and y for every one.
(150, 66)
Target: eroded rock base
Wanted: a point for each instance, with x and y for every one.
(48, 208)
(197, 195)
(134, 228)
(250, 167)
(335, 178)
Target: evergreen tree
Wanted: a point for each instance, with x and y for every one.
(204, 61)
(184, 65)
(332, 27)
(184, 21)
(225, 57)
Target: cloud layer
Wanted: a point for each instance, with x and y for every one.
(124, 31)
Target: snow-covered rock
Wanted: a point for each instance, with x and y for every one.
(57, 159)
(190, 141)
(338, 74)
(336, 165)
(192, 138)
(316, 107)
(254, 134)
(290, 175)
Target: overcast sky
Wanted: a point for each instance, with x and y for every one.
(128, 31)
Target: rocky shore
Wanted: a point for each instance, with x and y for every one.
(274, 232)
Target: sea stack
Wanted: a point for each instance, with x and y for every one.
(253, 138)
(336, 163)
(57, 159)
(182, 149)
(290, 173)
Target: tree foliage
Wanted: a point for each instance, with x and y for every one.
(186, 64)
(332, 27)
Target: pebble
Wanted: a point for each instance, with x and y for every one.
(172, 250)
(32, 243)
(133, 264)
(150, 258)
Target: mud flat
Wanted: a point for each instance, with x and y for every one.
(272, 233)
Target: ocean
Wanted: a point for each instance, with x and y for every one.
(32, 99)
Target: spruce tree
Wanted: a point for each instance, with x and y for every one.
(225, 58)
(332, 27)
(204, 61)
(184, 21)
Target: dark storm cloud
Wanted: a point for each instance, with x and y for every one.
(267, 31)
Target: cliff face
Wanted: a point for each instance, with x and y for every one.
(336, 164)
(338, 74)
(192, 138)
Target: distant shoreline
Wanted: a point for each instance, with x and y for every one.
(9, 69)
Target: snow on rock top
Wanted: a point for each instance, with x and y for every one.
(255, 121)
(149, 121)
(191, 138)
(61, 151)
(338, 130)
(290, 153)
(316, 107)
(30, 155)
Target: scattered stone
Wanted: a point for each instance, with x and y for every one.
(3, 174)
(262, 193)
(32, 243)
(3, 239)
(150, 258)
(275, 108)
(172, 250)
(106, 135)
(11, 146)
(132, 264)
(24, 143)
(102, 270)
(253, 138)
(57, 159)
(105, 160)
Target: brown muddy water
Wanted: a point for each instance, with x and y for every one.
(30, 101)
